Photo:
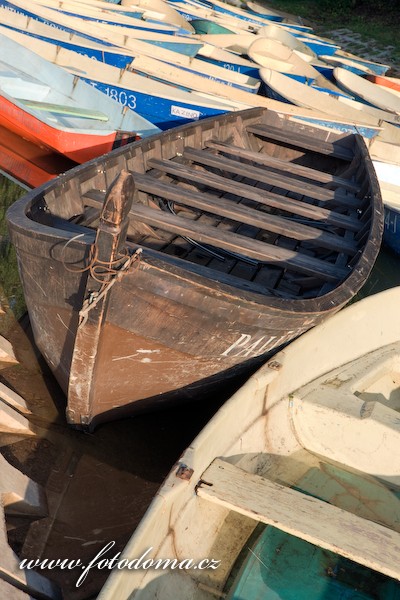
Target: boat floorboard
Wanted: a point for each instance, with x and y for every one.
(236, 211)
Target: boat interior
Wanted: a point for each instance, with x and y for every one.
(252, 205)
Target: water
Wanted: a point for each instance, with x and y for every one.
(98, 485)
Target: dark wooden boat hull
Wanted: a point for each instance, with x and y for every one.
(171, 328)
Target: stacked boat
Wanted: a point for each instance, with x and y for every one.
(229, 200)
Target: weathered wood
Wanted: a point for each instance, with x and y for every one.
(237, 212)
(303, 516)
(233, 166)
(283, 165)
(239, 244)
(7, 356)
(231, 242)
(239, 189)
(110, 239)
(154, 186)
(302, 141)
(21, 496)
(168, 326)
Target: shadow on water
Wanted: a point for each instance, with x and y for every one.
(98, 485)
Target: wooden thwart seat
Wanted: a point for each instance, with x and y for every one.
(259, 174)
(239, 189)
(233, 242)
(283, 165)
(365, 542)
(301, 141)
(154, 186)
(243, 214)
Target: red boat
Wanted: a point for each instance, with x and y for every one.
(55, 110)
(28, 163)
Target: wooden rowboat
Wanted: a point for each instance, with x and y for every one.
(292, 489)
(243, 231)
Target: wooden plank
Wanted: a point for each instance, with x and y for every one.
(365, 542)
(236, 243)
(244, 190)
(283, 165)
(257, 174)
(104, 266)
(243, 214)
(301, 141)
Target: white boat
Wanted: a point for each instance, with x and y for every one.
(277, 56)
(275, 32)
(90, 11)
(389, 181)
(113, 34)
(367, 91)
(342, 107)
(218, 22)
(156, 10)
(155, 99)
(375, 67)
(122, 57)
(167, 104)
(345, 62)
(274, 55)
(292, 489)
(229, 41)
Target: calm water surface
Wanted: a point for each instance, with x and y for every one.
(98, 485)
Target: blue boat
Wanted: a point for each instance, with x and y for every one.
(107, 34)
(318, 45)
(125, 58)
(389, 181)
(354, 64)
(232, 11)
(391, 231)
(232, 62)
(168, 105)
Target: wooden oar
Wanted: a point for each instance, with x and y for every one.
(61, 109)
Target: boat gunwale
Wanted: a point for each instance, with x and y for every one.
(21, 224)
(269, 385)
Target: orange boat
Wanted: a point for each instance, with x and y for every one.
(51, 108)
(390, 82)
(28, 163)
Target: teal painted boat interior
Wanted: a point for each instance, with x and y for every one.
(283, 567)
(206, 27)
(278, 566)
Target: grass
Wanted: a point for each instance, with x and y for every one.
(11, 296)
(377, 22)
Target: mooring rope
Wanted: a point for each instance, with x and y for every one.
(113, 275)
(106, 273)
